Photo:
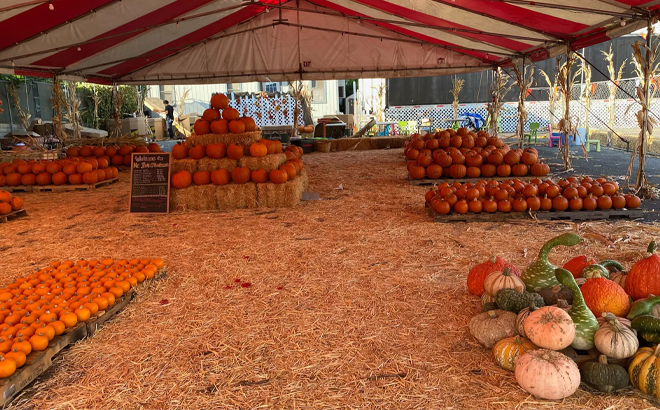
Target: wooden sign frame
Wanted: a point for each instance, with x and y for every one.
(169, 176)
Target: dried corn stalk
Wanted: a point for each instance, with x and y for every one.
(587, 92)
(72, 109)
(119, 95)
(56, 102)
(457, 86)
(380, 92)
(647, 68)
(303, 98)
(524, 82)
(498, 91)
(612, 85)
(23, 116)
(96, 99)
(553, 93)
(566, 80)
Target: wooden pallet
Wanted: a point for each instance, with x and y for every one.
(541, 215)
(60, 188)
(473, 180)
(38, 362)
(13, 215)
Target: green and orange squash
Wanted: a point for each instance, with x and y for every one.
(540, 274)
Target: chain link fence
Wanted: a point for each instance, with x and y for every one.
(538, 108)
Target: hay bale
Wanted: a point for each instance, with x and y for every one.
(187, 164)
(334, 145)
(208, 164)
(353, 144)
(269, 162)
(236, 196)
(303, 179)
(285, 195)
(387, 142)
(245, 139)
(195, 198)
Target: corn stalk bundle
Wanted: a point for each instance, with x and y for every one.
(524, 82)
(56, 101)
(119, 95)
(72, 109)
(380, 92)
(497, 92)
(23, 116)
(646, 68)
(611, 86)
(457, 86)
(302, 96)
(105, 141)
(566, 80)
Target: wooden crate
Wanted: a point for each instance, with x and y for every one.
(60, 188)
(473, 180)
(540, 215)
(13, 215)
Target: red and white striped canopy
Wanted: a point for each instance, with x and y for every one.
(223, 41)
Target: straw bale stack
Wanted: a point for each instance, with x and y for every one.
(235, 196)
(195, 198)
(285, 195)
(245, 139)
(269, 162)
(209, 164)
(187, 164)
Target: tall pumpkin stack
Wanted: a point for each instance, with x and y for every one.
(226, 165)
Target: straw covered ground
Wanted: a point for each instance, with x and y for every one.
(355, 301)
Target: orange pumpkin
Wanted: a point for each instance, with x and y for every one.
(210, 115)
(278, 176)
(577, 265)
(202, 127)
(90, 178)
(45, 179)
(59, 178)
(197, 152)
(643, 279)
(235, 151)
(202, 178)
(86, 151)
(28, 179)
(230, 114)
(240, 175)
(603, 295)
(259, 176)
(216, 151)
(236, 127)
(153, 147)
(181, 179)
(220, 127)
(219, 101)
(250, 125)
(290, 171)
(258, 150)
(5, 208)
(179, 151)
(220, 177)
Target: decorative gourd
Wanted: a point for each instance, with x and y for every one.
(508, 350)
(522, 315)
(550, 328)
(643, 306)
(644, 278)
(586, 324)
(478, 274)
(603, 376)
(541, 273)
(644, 370)
(646, 324)
(615, 340)
(492, 326)
(624, 322)
(502, 280)
(600, 270)
(577, 265)
(602, 295)
(619, 278)
(487, 302)
(552, 295)
(517, 300)
(547, 374)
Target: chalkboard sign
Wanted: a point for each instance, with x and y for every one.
(150, 183)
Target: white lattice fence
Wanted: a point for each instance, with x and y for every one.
(538, 109)
(266, 110)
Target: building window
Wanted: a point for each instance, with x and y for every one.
(313, 83)
(318, 92)
(233, 88)
(167, 93)
(271, 87)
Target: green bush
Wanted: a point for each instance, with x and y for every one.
(86, 95)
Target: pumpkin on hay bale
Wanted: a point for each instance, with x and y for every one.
(269, 162)
(244, 138)
(209, 164)
(187, 164)
(236, 196)
(284, 195)
(195, 197)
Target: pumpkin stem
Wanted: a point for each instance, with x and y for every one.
(506, 271)
(518, 340)
(492, 259)
(613, 321)
(492, 314)
(651, 247)
(602, 359)
(611, 263)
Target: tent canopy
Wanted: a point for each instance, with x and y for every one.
(224, 41)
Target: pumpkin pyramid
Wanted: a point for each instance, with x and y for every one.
(226, 165)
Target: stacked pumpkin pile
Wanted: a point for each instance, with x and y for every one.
(537, 321)
(9, 203)
(464, 154)
(36, 308)
(537, 195)
(116, 155)
(68, 171)
(233, 167)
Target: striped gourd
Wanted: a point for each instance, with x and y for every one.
(508, 350)
(541, 273)
(586, 323)
(644, 370)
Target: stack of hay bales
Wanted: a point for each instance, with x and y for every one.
(233, 195)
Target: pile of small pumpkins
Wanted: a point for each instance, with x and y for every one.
(9, 203)
(73, 171)
(234, 150)
(536, 320)
(239, 175)
(537, 195)
(36, 308)
(116, 155)
(223, 119)
(465, 154)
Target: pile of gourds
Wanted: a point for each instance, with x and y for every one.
(517, 196)
(465, 154)
(534, 321)
(36, 308)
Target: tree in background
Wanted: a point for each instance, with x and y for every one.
(98, 118)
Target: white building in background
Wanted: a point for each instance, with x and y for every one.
(326, 94)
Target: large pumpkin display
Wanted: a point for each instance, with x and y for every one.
(478, 274)
(643, 279)
(547, 374)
